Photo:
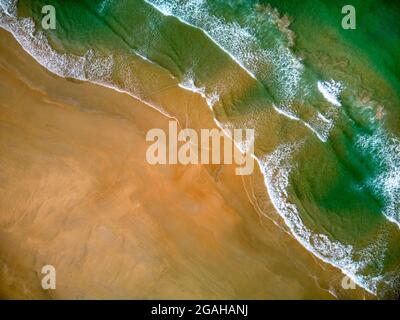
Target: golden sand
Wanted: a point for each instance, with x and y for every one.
(77, 193)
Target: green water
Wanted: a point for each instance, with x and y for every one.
(338, 187)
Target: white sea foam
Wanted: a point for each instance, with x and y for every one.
(276, 168)
(287, 112)
(168, 9)
(331, 91)
(385, 149)
(277, 62)
(240, 44)
(319, 125)
(88, 67)
(188, 83)
(103, 6)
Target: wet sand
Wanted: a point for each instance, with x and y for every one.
(78, 194)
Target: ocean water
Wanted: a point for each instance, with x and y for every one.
(324, 102)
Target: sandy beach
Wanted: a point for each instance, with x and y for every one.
(77, 193)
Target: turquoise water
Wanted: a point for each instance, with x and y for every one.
(324, 102)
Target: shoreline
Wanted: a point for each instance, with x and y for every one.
(233, 211)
